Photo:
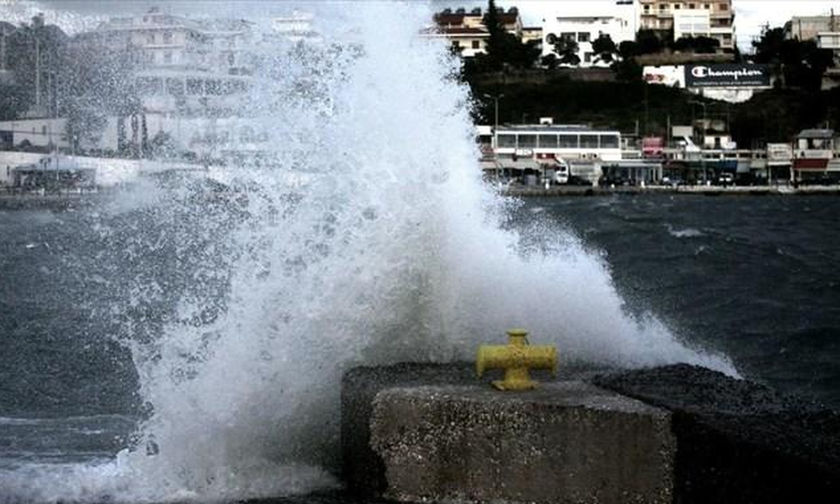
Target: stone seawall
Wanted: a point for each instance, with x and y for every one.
(416, 432)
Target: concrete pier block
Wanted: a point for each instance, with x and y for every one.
(678, 433)
(566, 442)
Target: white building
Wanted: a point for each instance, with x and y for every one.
(692, 23)
(662, 16)
(546, 141)
(587, 23)
(181, 65)
(35, 132)
(296, 27)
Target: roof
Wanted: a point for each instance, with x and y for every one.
(508, 17)
(458, 19)
(816, 133)
(554, 128)
(449, 19)
(462, 31)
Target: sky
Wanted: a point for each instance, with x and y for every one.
(750, 15)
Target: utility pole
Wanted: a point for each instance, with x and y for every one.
(703, 138)
(37, 73)
(2, 50)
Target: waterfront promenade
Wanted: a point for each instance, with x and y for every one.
(566, 190)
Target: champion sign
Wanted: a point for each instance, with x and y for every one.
(727, 75)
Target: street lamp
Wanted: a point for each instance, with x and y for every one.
(495, 99)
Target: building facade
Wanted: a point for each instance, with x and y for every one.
(466, 33)
(824, 30)
(663, 16)
(809, 27)
(179, 65)
(586, 24)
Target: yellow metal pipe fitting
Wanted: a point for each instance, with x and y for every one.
(516, 358)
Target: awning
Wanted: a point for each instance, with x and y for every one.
(519, 164)
(810, 164)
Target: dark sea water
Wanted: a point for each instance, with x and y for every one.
(757, 278)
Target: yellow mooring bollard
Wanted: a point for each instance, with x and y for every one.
(516, 358)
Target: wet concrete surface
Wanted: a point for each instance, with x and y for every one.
(737, 441)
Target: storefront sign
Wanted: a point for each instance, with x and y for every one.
(727, 75)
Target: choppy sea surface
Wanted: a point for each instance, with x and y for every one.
(756, 278)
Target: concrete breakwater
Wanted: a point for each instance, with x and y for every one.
(561, 190)
(680, 433)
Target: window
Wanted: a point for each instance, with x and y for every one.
(589, 141)
(507, 141)
(677, 6)
(167, 37)
(547, 141)
(43, 130)
(527, 141)
(568, 35)
(150, 38)
(691, 6)
(213, 86)
(609, 141)
(647, 9)
(167, 57)
(456, 44)
(583, 37)
(148, 86)
(587, 57)
(175, 87)
(195, 87)
(476, 44)
(568, 141)
(723, 7)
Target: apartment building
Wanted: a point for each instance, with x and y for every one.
(824, 30)
(683, 18)
(466, 32)
(179, 64)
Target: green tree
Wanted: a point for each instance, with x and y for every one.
(14, 100)
(36, 55)
(648, 42)
(549, 61)
(495, 40)
(699, 45)
(504, 48)
(626, 68)
(566, 49)
(604, 48)
(800, 63)
(86, 121)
